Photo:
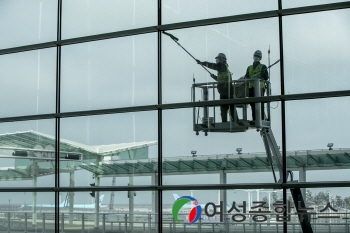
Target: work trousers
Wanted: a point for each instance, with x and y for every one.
(252, 94)
(224, 109)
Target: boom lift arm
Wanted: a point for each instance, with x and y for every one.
(273, 154)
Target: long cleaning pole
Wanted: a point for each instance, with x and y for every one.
(266, 68)
(176, 41)
(269, 61)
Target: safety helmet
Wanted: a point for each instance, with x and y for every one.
(258, 53)
(221, 55)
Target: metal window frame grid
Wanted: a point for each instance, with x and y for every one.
(159, 107)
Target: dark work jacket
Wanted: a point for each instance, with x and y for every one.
(220, 67)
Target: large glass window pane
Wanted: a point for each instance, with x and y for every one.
(123, 146)
(27, 212)
(328, 210)
(129, 211)
(27, 22)
(316, 52)
(238, 41)
(317, 145)
(218, 158)
(27, 84)
(110, 73)
(301, 3)
(84, 18)
(27, 154)
(174, 11)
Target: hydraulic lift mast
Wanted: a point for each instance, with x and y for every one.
(273, 154)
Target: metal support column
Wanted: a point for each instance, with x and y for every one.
(8, 222)
(44, 224)
(302, 178)
(82, 223)
(25, 222)
(154, 200)
(131, 202)
(97, 203)
(71, 197)
(159, 199)
(62, 223)
(35, 182)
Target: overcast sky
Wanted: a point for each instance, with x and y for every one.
(123, 72)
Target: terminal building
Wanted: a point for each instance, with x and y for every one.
(118, 116)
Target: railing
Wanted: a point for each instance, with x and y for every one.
(235, 89)
(78, 222)
(122, 222)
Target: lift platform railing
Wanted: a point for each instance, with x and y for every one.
(235, 89)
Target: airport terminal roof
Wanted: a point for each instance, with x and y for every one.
(41, 145)
(231, 163)
(32, 139)
(105, 160)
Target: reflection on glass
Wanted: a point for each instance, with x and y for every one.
(321, 121)
(27, 154)
(328, 208)
(85, 18)
(317, 143)
(223, 210)
(30, 89)
(180, 71)
(27, 22)
(109, 74)
(174, 11)
(235, 157)
(26, 211)
(127, 211)
(301, 3)
(314, 62)
(123, 146)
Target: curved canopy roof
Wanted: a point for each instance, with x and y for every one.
(42, 146)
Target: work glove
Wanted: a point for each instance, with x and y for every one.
(198, 62)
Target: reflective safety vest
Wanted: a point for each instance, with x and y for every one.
(255, 73)
(224, 75)
(224, 81)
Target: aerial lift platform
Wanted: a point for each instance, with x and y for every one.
(205, 120)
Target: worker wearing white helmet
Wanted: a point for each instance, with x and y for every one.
(224, 83)
(257, 70)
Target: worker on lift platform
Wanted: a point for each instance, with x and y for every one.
(257, 70)
(224, 85)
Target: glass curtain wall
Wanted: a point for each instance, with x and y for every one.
(109, 124)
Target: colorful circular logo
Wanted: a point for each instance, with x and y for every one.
(195, 211)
